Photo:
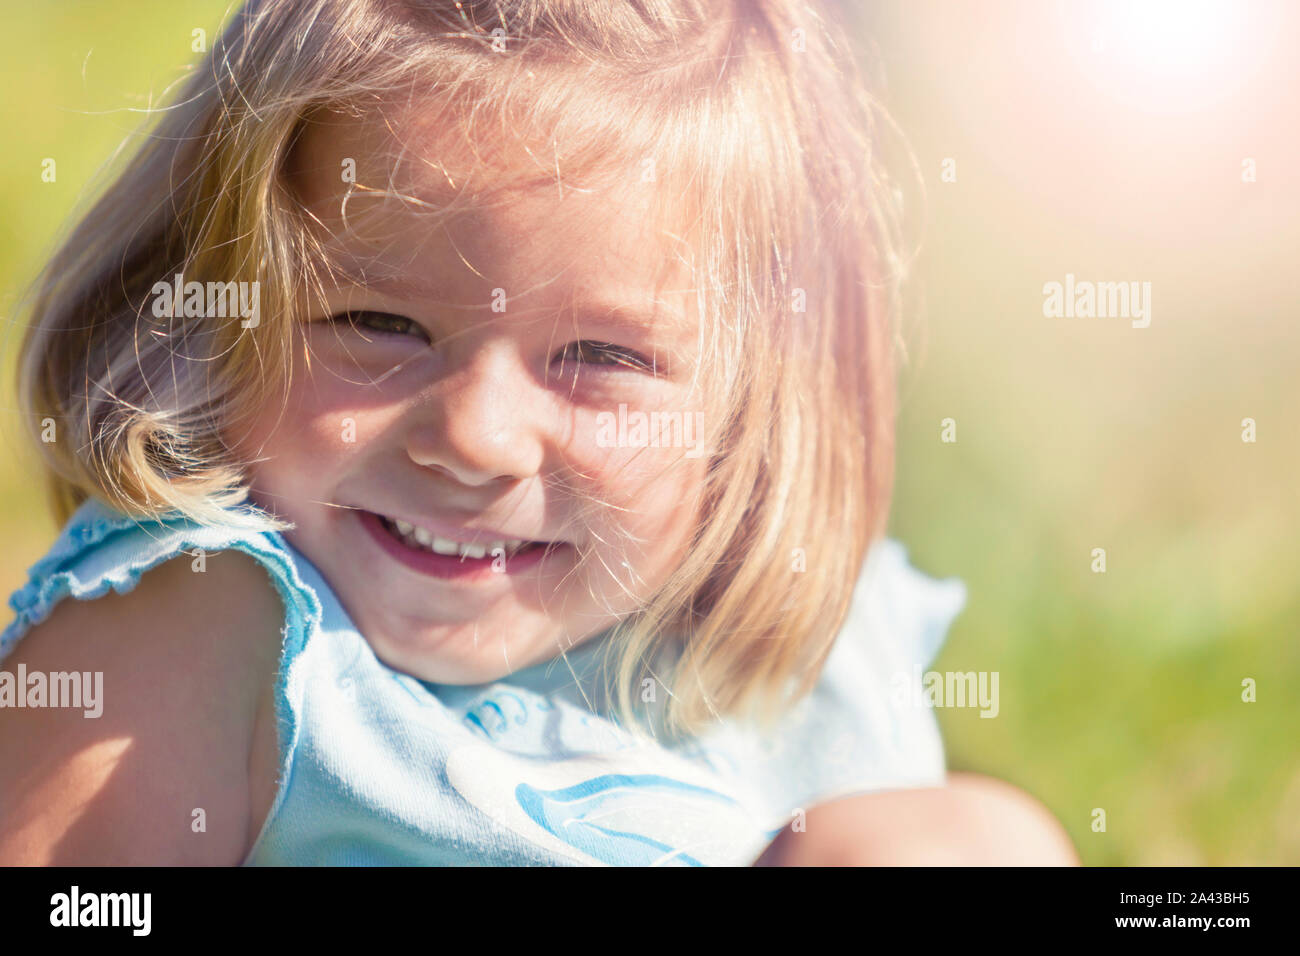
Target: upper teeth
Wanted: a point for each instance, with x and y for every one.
(446, 546)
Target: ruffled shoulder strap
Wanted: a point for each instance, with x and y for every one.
(101, 549)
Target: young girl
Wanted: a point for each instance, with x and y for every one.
(471, 423)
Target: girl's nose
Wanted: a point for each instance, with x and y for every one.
(484, 423)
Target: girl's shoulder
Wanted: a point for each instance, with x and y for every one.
(134, 709)
(865, 725)
(900, 615)
(101, 550)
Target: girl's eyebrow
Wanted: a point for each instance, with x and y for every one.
(632, 316)
(374, 275)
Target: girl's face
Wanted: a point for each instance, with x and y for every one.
(468, 378)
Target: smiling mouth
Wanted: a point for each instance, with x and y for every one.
(420, 539)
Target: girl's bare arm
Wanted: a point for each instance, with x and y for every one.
(162, 776)
(973, 821)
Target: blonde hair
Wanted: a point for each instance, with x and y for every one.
(757, 104)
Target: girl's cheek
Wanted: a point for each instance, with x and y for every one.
(655, 527)
(630, 474)
(634, 446)
(655, 492)
(320, 428)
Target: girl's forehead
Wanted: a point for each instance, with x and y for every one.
(391, 200)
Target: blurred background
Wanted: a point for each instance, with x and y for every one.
(1150, 141)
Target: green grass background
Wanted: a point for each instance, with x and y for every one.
(1119, 691)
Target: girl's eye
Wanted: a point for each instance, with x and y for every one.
(385, 323)
(604, 354)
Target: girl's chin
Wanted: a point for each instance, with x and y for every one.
(457, 657)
